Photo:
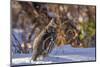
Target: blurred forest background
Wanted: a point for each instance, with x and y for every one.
(75, 24)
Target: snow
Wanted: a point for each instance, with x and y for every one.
(58, 55)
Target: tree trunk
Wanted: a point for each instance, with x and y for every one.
(37, 44)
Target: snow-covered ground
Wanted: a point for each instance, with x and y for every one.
(58, 55)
